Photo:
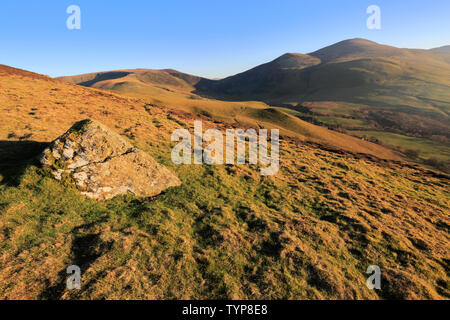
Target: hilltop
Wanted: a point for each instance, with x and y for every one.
(137, 80)
(308, 232)
(355, 62)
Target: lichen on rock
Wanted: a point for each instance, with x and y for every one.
(102, 164)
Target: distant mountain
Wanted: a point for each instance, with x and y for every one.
(444, 49)
(386, 88)
(397, 97)
(135, 81)
(330, 72)
(173, 89)
(355, 49)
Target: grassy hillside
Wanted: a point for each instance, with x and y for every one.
(138, 79)
(308, 232)
(383, 88)
(377, 88)
(166, 87)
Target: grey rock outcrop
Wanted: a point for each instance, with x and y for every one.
(103, 165)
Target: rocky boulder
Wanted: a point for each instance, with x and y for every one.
(103, 165)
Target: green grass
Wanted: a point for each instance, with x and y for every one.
(343, 122)
(426, 148)
(226, 232)
(309, 232)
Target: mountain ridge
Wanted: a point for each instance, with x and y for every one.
(356, 85)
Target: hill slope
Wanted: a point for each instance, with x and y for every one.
(355, 49)
(444, 49)
(359, 86)
(174, 90)
(137, 80)
(308, 232)
(399, 98)
(355, 63)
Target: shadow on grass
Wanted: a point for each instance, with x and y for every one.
(84, 254)
(15, 157)
(87, 247)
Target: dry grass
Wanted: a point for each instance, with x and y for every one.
(159, 87)
(308, 232)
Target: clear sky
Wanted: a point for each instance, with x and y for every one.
(212, 38)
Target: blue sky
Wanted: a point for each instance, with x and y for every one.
(212, 38)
